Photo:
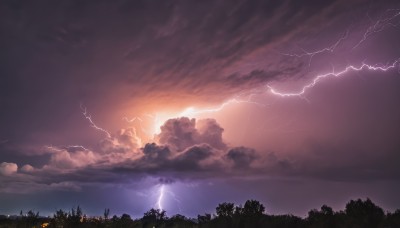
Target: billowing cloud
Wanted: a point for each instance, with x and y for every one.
(179, 133)
(185, 147)
(62, 158)
(183, 132)
(7, 168)
(27, 168)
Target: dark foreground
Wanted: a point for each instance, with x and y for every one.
(357, 214)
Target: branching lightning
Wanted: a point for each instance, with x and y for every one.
(313, 53)
(318, 78)
(176, 199)
(139, 120)
(92, 124)
(191, 112)
(389, 19)
(381, 24)
(162, 192)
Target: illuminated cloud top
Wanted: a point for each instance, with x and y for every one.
(138, 104)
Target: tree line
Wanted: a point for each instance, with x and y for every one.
(357, 214)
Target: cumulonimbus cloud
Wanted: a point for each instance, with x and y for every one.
(184, 147)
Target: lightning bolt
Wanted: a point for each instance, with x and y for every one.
(193, 112)
(162, 192)
(320, 77)
(92, 124)
(160, 197)
(313, 53)
(75, 146)
(381, 24)
(61, 148)
(140, 121)
(52, 148)
(132, 119)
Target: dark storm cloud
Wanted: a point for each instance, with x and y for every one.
(241, 156)
(57, 53)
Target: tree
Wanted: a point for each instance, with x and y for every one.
(32, 218)
(59, 219)
(178, 221)
(393, 219)
(225, 209)
(106, 213)
(363, 213)
(322, 218)
(252, 208)
(125, 221)
(203, 219)
(75, 216)
(154, 217)
(155, 214)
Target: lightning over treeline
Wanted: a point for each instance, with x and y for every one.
(200, 102)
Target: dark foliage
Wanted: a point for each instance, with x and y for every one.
(357, 214)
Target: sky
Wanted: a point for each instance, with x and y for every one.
(181, 105)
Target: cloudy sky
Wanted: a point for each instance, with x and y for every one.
(181, 105)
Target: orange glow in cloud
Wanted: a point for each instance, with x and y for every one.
(159, 118)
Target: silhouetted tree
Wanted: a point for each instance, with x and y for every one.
(59, 219)
(154, 217)
(32, 218)
(322, 218)
(250, 215)
(125, 221)
(203, 219)
(178, 221)
(106, 213)
(225, 209)
(253, 208)
(363, 214)
(74, 217)
(357, 214)
(282, 221)
(238, 211)
(393, 219)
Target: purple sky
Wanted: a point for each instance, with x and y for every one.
(182, 105)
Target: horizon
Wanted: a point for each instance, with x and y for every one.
(212, 213)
